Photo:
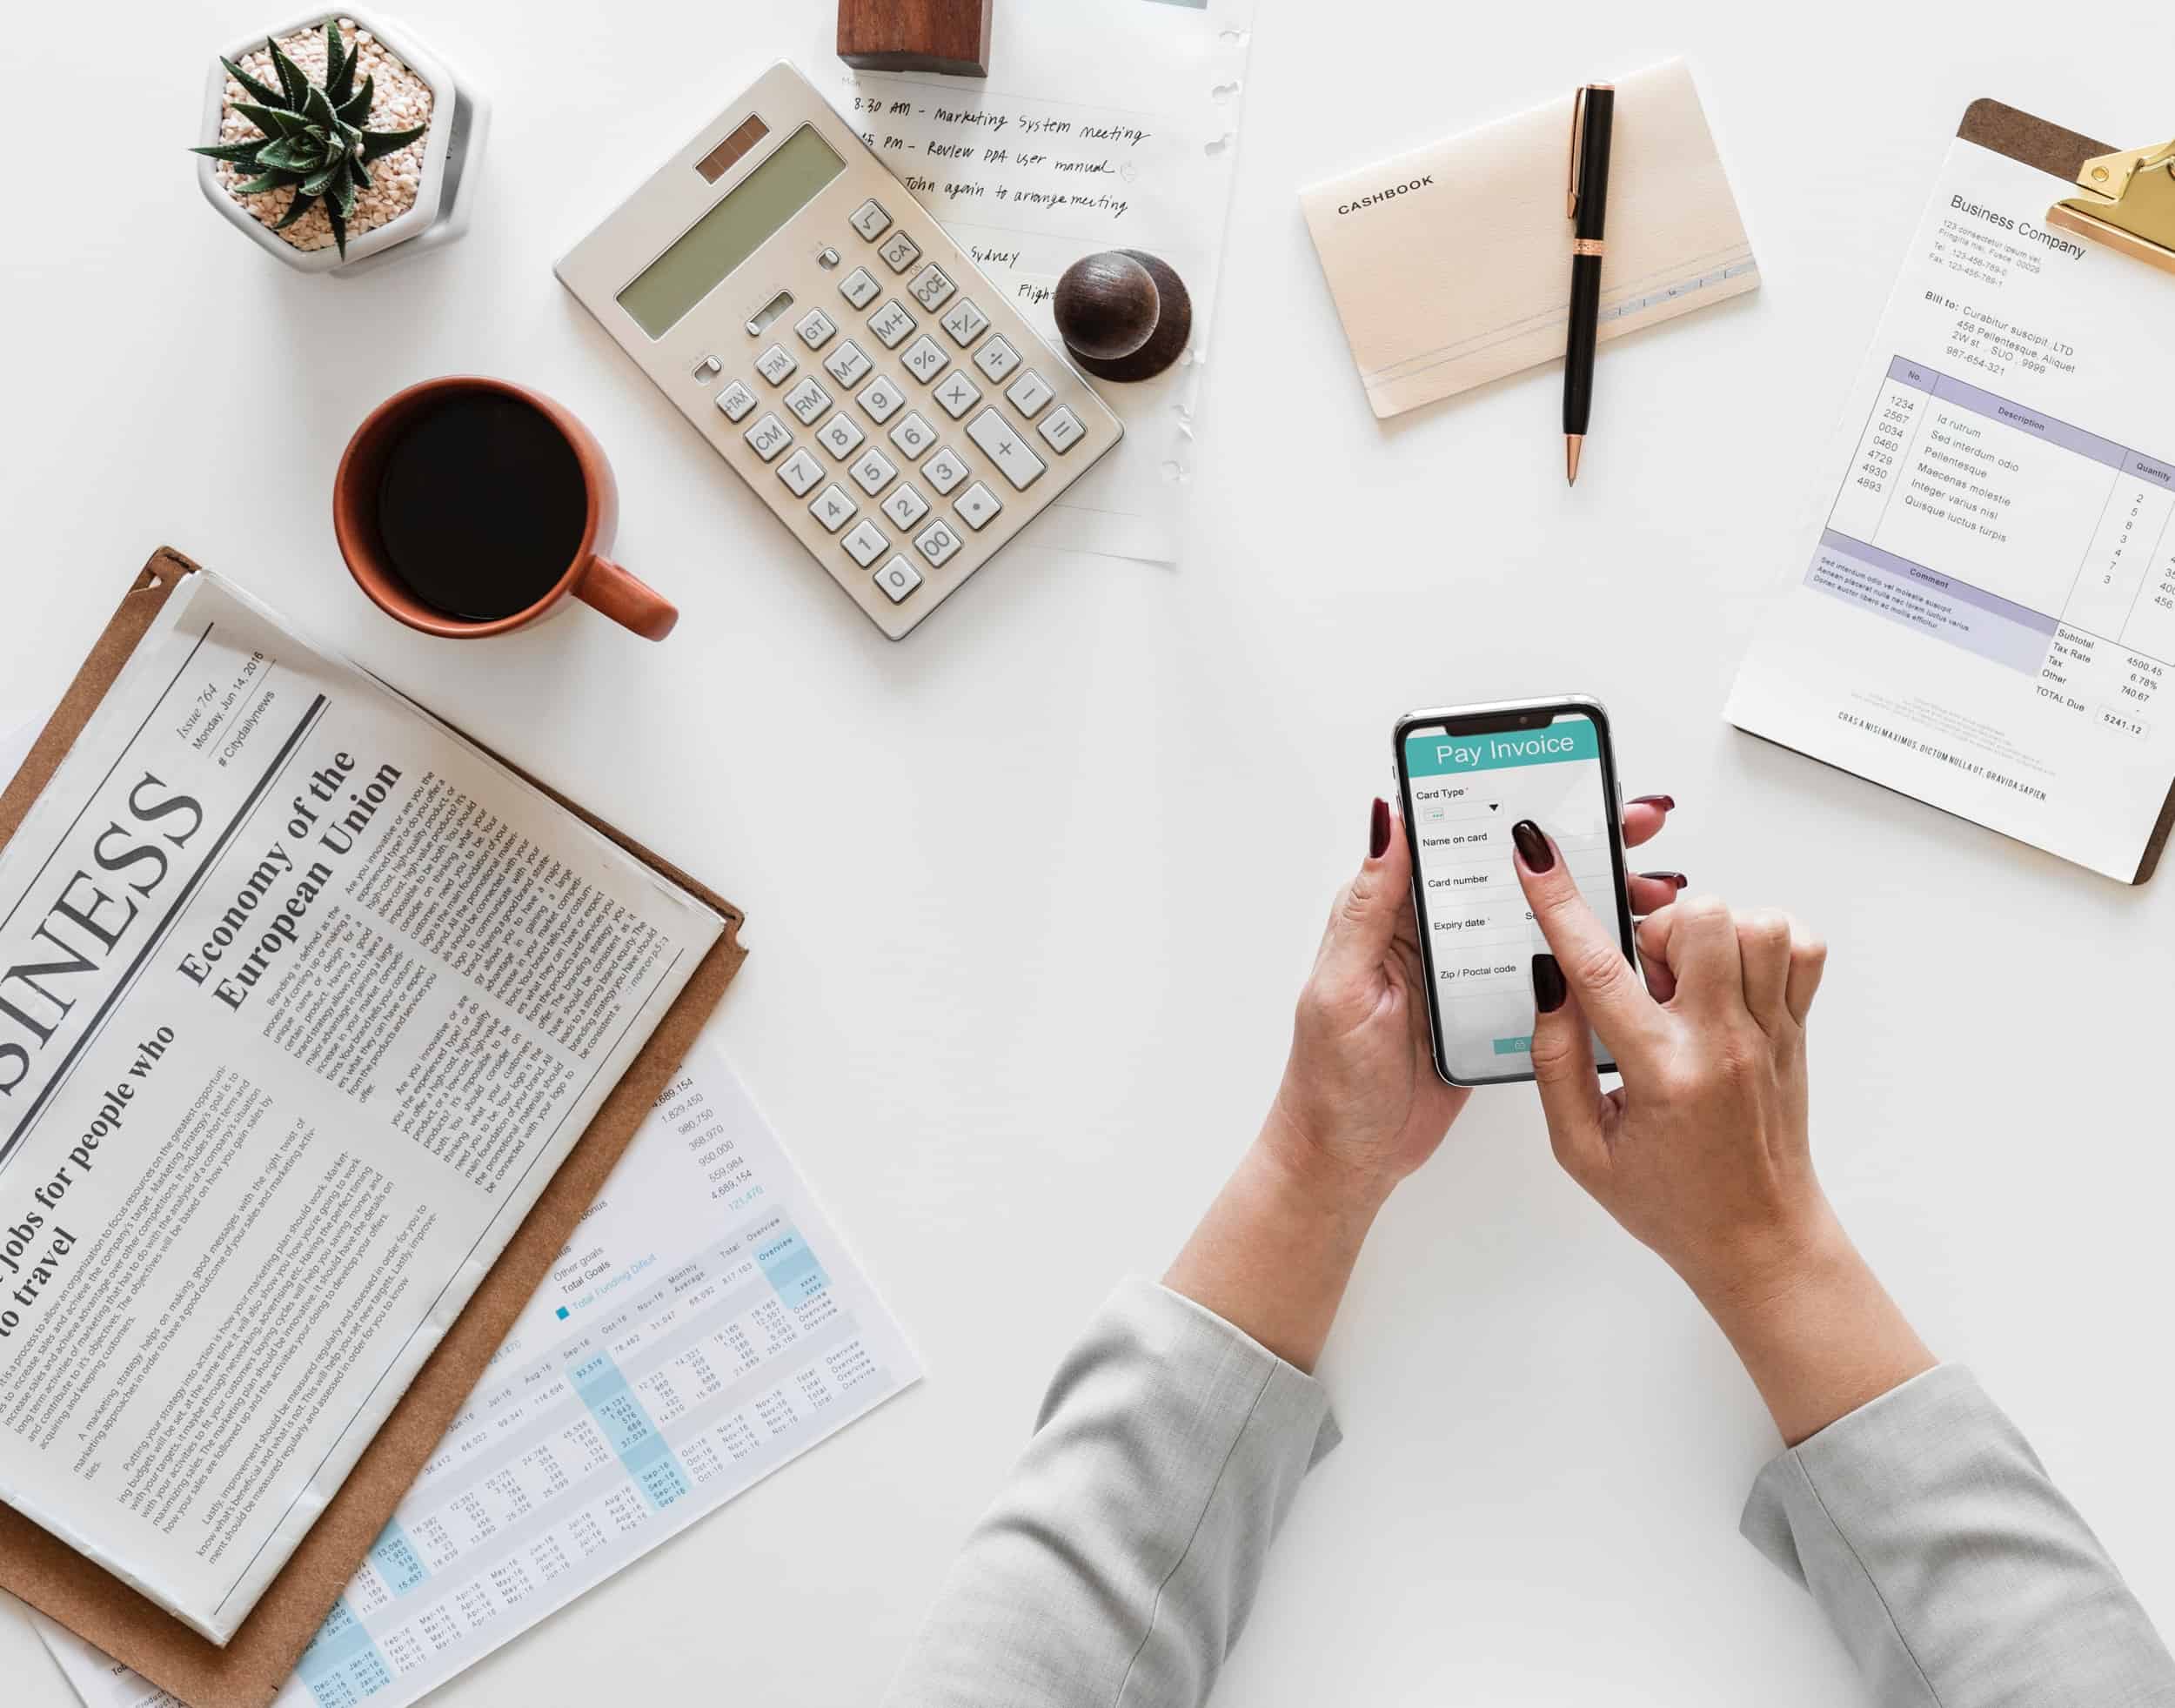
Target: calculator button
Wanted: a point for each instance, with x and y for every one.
(925, 359)
(768, 437)
(870, 219)
(936, 544)
(871, 470)
(932, 288)
(864, 543)
(1006, 448)
(1029, 392)
(839, 436)
(975, 506)
(891, 322)
(905, 507)
(996, 360)
(944, 471)
(914, 436)
(1061, 430)
(860, 287)
(833, 508)
(736, 400)
(898, 578)
(847, 364)
(882, 398)
(807, 400)
(958, 395)
(775, 364)
(801, 472)
(815, 328)
(965, 323)
(900, 251)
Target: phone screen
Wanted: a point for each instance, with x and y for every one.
(1465, 788)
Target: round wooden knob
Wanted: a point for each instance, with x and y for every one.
(1123, 314)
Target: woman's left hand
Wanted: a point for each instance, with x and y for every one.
(1361, 1099)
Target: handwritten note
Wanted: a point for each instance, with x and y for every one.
(1103, 125)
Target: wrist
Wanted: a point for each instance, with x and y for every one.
(1273, 1253)
(1756, 1272)
(1813, 1328)
(1314, 1167)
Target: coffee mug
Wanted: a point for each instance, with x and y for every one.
(467, 506)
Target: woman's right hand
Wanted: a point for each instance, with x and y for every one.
(1703, 1153)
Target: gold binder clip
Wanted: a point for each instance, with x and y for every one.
(2128, 203)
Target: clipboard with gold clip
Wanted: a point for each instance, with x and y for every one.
(2128, 203)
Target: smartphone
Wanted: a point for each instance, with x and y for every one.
(1466, 775)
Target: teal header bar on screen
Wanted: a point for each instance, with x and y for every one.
(1566, 738)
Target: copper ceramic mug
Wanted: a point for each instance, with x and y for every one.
(588, 575)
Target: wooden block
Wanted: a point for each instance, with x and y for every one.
(950, 36)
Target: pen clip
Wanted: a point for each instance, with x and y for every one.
(1578, 138)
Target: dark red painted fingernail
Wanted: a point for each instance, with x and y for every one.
(1676, 878)
(1378, 829)
(1548, 984)
(1533, 847)
(1666, 802)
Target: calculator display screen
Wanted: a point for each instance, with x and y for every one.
(734, 230)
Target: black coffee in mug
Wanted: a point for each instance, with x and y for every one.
(481, 505)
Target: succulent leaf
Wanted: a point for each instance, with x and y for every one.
(324, 179)
(339, 229)
(294, 154)
(292, 83)
(317, 109)
(339, 64)
(300, 205)
(379, 143)
(272, 120)
(243, 153)
(357, 108)
(344, 191)
(251, 87)
(270, 181)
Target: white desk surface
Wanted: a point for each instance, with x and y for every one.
(1030, 896)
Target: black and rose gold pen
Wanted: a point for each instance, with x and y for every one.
(1586, 203)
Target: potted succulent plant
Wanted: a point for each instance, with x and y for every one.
(332, 141)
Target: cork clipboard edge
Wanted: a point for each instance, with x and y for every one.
(250, 1671)
(2053, 149)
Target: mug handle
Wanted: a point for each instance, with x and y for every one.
(627, 600)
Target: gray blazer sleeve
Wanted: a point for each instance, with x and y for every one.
(1950, 1566)
(1118, 1564)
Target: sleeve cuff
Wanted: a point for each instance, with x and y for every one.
(1291, 1405)
(1852, 1462)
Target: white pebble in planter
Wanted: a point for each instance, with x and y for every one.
(399, 166)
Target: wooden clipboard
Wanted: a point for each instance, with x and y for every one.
(2062, 153)
(250, 1671)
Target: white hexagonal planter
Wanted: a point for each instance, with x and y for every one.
(452, 151)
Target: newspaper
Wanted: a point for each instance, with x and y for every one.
(303, 999)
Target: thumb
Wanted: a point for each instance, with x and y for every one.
(1564, 1073)
(1368, 911)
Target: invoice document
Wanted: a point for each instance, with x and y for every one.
(1984, 615)
(705, 1326)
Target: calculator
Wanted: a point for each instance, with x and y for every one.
(839, 351)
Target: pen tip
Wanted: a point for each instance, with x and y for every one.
(1573, 442)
